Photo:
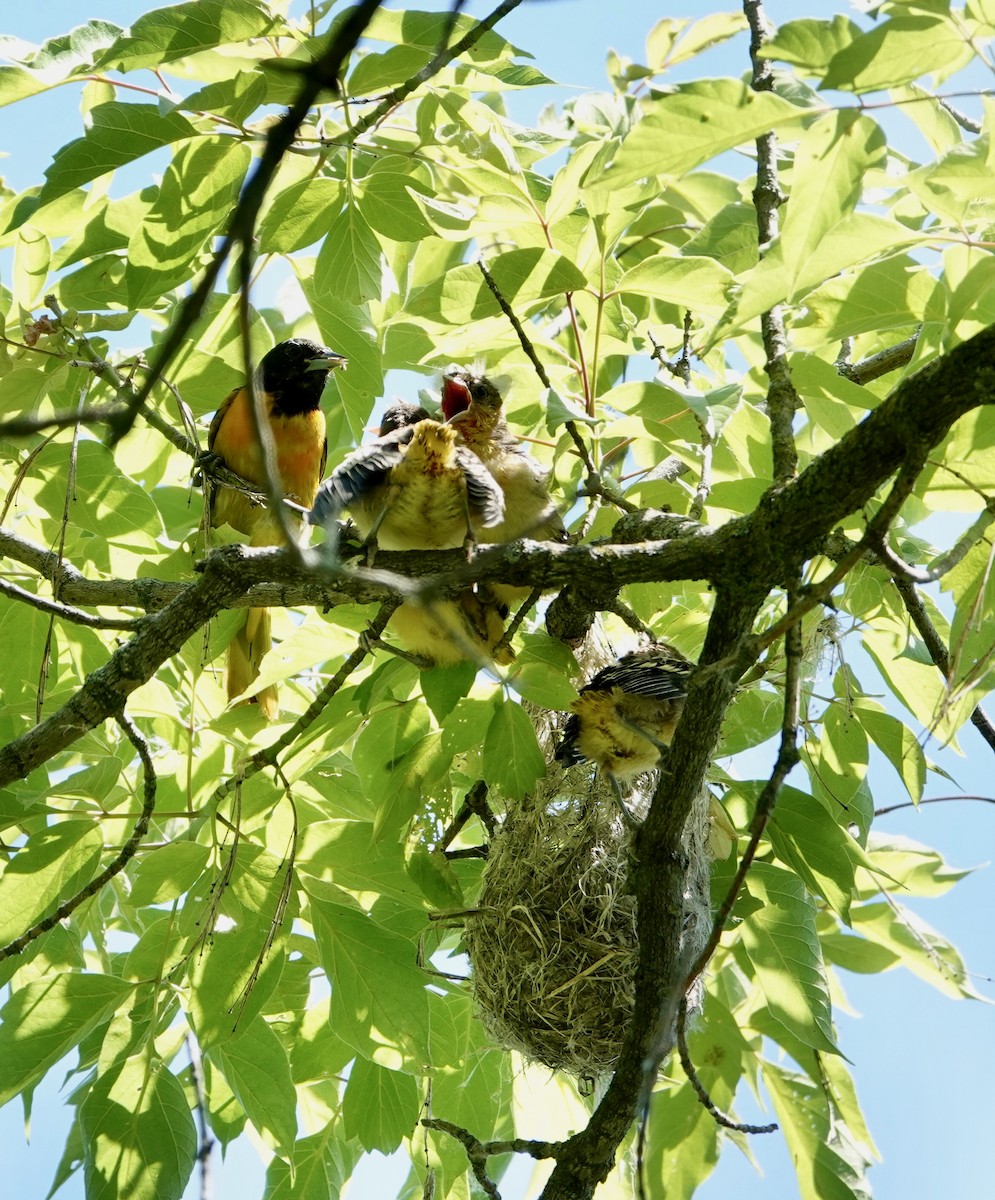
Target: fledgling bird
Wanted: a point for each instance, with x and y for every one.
(399, 414)
(474, 405)
(291, 378)
(417, 487)
(624, 719)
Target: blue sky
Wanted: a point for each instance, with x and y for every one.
(922, 1063)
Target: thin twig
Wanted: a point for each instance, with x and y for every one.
(474, 805)
(943, 562)
(65, 611)
(124, 856)
(478, 1152)
(269, 756)
(883, 812)
(701, 1091)
(206, 1144)
(516, 622)
(594, 484)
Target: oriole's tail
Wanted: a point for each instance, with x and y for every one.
(245, 652)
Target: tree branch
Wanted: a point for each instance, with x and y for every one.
(782, 397)
(885, 361)
(124, 855)
(318, 76)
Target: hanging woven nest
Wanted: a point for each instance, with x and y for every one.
(553, 943)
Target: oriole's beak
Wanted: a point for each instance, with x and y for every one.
(329, 361)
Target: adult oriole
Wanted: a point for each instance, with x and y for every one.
(417, 487)
(291, 378)
(624, 719)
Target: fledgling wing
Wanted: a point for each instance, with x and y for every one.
(567, 751)
(483, 492)
(660, 672)
(360, 473)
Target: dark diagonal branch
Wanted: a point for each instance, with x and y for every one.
(319, 76)
(124, 855)
(442, 59)
(938, 652)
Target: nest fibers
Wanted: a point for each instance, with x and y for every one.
(553, 942)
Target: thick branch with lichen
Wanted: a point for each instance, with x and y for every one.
(746, 557)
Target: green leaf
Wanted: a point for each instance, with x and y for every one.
(54, 863)
(918, 946)
(512, 758)
(561, 409)
(898, 743)
(138, 1133)
(379, 1107)
(322, 1165)
(523, 277)
(107, 503)
(299, 215)
(168, 34)
(257, 1070)
(43, 1020)
(379, 1003)
(378, 72)
(119, 133)
(918, 870)
(32, 256)
(697, 122)
(899, 50)
(383, 741)
(54, 62)
(348, 263)
(811, 44)
(828, 1164)
(387, 203)
(197, 192)
(806, 838)
(697, 283)
(781, 941)
(167, 872)
(444, 687)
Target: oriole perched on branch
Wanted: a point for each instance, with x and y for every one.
(625, 717)
(291, 378)
(473, 404)
(417, 487)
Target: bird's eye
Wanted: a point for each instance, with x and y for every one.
(478, 391)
